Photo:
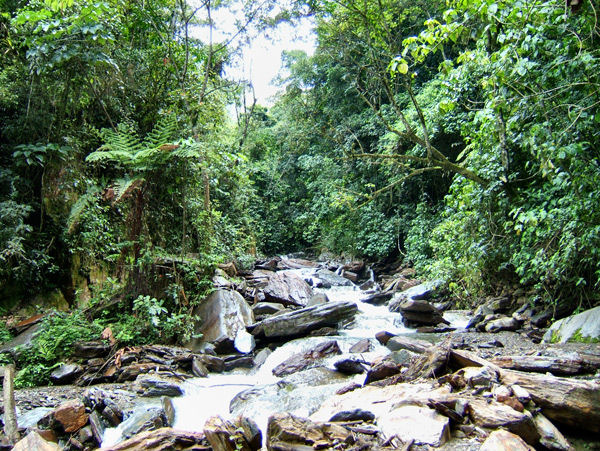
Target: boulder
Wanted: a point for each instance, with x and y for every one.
(198, 368)
(383, 336)
(566, 401)
(267, 308)
(418, 312)
(349, 366)
(286, 432)
(143, 419)
(71, 415)
(97, 426)
(90, 349)
(162, 439)
(316, 299)
(211, 362)
(301, 361)
(27, 323)
(224, 435)
(421, 292)
(353, 415)
(331, 279)
(223, 315)
(584, 326)
(22, 342)
(361, 346)
(30, 418)
(421, 425)
(478, 376)
(399, 342)
(495, 415)
(155, 386)
(169, 409)
(302, 321)
(288, 289)
(112, 413)
(66, 373)
(382, 370)
(261, 356)
(550, 436)
(35, 442)
(502, 440)
(505, 323)
(378, 298)
(238, 361)
(491, 306)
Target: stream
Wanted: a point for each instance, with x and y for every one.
(257, 394)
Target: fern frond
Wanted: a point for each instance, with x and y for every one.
(162, 133)
(119, 146)
(188, 149)
(123, 187)
(79, 206)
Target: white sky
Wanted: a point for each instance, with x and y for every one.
(260, 62)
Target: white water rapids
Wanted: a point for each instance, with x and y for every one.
(258, 394)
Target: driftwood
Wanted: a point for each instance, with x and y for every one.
(10, 413)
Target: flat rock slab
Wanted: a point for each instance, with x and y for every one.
(422, 425)
(154, 386)
(162, 439)
(287, 432)
(301, 361)
(35, 442)
(302, 321)
(381, 400)
(501, 440)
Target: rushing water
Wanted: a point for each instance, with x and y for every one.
(257, 393)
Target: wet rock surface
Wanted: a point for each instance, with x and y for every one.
(489, 387)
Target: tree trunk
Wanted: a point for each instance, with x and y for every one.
(10, 413)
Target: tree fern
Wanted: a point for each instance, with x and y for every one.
(120, 146)
(162, 133)
(125, 148)
(123, 187)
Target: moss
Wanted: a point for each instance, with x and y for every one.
(555, 337)
(578, 337)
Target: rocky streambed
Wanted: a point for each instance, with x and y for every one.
(301, 355)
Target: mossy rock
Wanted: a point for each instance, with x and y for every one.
(583, 328)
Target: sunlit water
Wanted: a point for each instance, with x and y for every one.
(261, 394)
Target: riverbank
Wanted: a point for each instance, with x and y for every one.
(296, 340)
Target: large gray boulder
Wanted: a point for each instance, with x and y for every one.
(288, 289)
(224, 316)
(329, 278)
(582, 327)
(301, 322)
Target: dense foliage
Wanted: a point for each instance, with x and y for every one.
(462, 135)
